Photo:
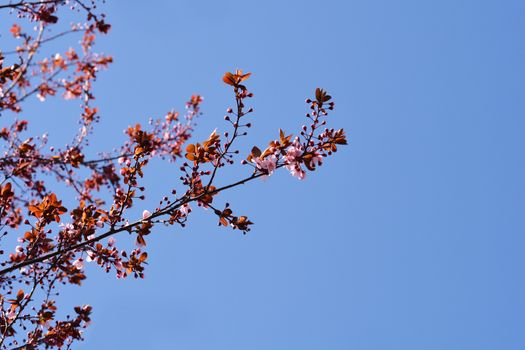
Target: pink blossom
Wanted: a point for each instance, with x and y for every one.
(146, 214)
(68, 95)
(12, 314)
(268, 164)
(90, 256)
(297, 172)
(111, 241)
(83, 132)
(317, 159)
(293, 153)
(68, 228)
(79, 263)
(121, 273)
(185, 209)
(118, 265)
(292, 160)
(58, 61)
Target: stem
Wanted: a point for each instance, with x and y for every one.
(240, 112)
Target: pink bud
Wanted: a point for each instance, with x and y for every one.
(146, 214)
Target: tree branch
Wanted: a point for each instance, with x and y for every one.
(128, 227)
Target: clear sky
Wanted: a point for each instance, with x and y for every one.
(412, 237)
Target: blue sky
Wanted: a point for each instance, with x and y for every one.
(411, 237)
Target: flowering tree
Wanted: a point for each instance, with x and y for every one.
(46, 244)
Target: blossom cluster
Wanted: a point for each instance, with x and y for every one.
(307, 150)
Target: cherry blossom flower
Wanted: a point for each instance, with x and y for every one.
(292, 159)
(90, 256)
(79, 263)
(297, 172)
(267, 164)
(67, 227)
(317, 158)
(185, 209)
(69, 95)
(12, 314)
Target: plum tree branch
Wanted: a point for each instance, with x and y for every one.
(128, 227)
